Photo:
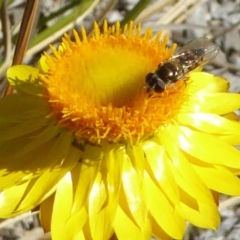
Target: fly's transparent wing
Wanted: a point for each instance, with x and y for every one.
(198, 51)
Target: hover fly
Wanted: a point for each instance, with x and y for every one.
(196, 53)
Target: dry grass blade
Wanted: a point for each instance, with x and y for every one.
(23, 37)
(6, 43)
(25, 31)
(150, 10)
(177, 10)
(108, 7)
(187, 12)
(230, 202)
(6, 31)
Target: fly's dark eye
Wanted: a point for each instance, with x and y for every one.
(160, 86)
(150, 80)
(155, 83)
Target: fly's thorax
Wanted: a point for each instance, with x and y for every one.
(169, 71)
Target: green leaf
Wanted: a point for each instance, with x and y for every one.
(80, 8)
(138, 8)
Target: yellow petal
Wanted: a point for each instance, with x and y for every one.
(99, 211)
(35, 161)
(52, 177)
(182, 171)
(158, 232)
(133, 196)
(163, 211)
(66, 224)
(218, 103)
(80, 213)
(219, 179)
(9, 200)
(210, 123)
(159, 169)
(136, 155)
(28, 195)
(62, 207)
(86, 174)
(42, 65)
(73, 226)
(202, 82)
(204, 147)
(27, 131)
(196, 212)
(126, 229)
(195, 198)
(45, 213)
(231, 116)
(25, 79)
(22, 73)
(104, 195)
(25, 108)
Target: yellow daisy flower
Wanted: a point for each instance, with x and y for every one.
(82, 138)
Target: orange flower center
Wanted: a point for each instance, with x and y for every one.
(96, 86)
